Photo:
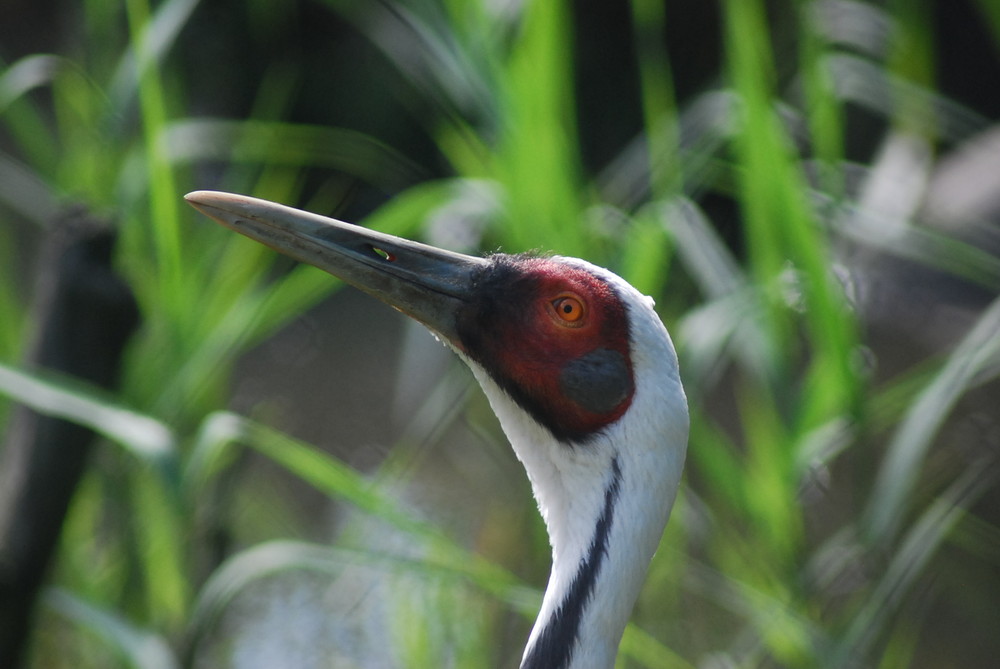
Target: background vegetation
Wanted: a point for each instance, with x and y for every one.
(290, 478)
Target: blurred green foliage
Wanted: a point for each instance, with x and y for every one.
(822, 511)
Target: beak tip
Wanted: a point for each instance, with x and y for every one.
(212, 197)
(198, 199)
(225, 208)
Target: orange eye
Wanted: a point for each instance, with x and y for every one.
(568, 309)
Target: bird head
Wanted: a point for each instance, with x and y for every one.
(555, 337)
(581, 374)
(552, 332)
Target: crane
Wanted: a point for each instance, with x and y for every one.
(582, 375)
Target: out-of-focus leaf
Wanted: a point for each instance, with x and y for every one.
(298, 145)
(26, 121)
(158, 34)
(145, 437)
(918, 546)
(141, 648)
(977, 352)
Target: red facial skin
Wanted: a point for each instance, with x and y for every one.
(535, 316)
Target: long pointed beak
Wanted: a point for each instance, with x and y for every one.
(424, 282)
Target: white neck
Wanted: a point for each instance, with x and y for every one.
(626, 478)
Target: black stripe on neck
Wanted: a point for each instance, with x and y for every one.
(554, 647)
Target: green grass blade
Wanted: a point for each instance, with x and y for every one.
(141, 648)
(154, 34)
(782, 231)
(164, 212)
(146, 438)
(642, 647)
(978, 351)
(823, 110)
(159, 521)
(25, 121)
(646, 251)
(909, 561)
(536, 159)
(658, 104)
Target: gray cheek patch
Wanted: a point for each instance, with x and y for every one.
(598, 381)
